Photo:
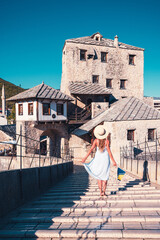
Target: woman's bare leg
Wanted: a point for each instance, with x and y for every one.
(100, 186)
(104, 187)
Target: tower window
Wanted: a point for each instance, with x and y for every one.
(109, 83)
(46, 109)
(151, 134)
(131, 59)
(30, 108)
(130, 135)
(60, 109)
(83, 55)
(95, 79)
(20, 109)
(122, 84)
(103, 57)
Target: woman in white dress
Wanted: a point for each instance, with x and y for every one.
(99, 167)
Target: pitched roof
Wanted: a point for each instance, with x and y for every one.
(104, 42)
(41, 91)
(87, 88)
(10, 130)
(127, 109)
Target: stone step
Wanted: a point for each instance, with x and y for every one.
(93, 234)
(121, 184)
(88, 209)
(73, 210)
(88, 219)
(71, 201)
(84, 190)
(131, 188)
(107, 192)
(109, 196)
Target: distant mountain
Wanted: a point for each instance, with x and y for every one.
(10, 90)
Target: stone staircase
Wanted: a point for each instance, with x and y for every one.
(73, 209)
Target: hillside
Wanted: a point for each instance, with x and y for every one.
(10, 90)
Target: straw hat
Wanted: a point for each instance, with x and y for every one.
(100, 132)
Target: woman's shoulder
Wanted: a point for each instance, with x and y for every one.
(96, 141)
(107, 141)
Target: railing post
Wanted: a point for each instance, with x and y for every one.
(123, 157)
(76, 113)
(145, 149)
(62, 154)
(20, 147)
(127, 157)
(156, 158)
(120, 157)
(131, 155)
(137, 156)
(39, 153)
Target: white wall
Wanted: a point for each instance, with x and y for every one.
(25, 116)
(53, 107)
(41, 117)
(3, 120)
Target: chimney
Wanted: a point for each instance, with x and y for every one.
(3, 101)
(116, 41)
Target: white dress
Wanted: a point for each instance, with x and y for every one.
(99, 166)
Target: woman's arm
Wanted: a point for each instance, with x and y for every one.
(89, 152)
(110, 153)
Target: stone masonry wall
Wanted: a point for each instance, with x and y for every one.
(116, 68)
(99, 107)
(119, 129)
(31, 136)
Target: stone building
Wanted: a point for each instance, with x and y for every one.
(7, 137)
(114, 66)
(128, 120)
(102, 72)
(41, 120)
(156, 101)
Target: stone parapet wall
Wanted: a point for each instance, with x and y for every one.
(19, 186)
(137, 168)
(29, 161)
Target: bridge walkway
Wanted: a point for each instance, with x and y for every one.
(74, 210)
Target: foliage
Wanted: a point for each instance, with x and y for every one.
(10, 90)
(12, 116)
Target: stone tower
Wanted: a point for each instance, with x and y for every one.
(116, 66)
(3, 97)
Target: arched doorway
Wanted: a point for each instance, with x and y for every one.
(53, 142)
(50, 143)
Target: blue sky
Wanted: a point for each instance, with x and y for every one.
(33, 33)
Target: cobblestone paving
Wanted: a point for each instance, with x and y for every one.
(74, 210)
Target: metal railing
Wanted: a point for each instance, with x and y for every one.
(21, 155)
(141, 151)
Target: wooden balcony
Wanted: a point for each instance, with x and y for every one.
(80, 117)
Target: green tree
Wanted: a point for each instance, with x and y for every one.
(12, 115)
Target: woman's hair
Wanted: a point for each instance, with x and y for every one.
(102, 143)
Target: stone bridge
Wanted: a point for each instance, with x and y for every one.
(72, 209)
